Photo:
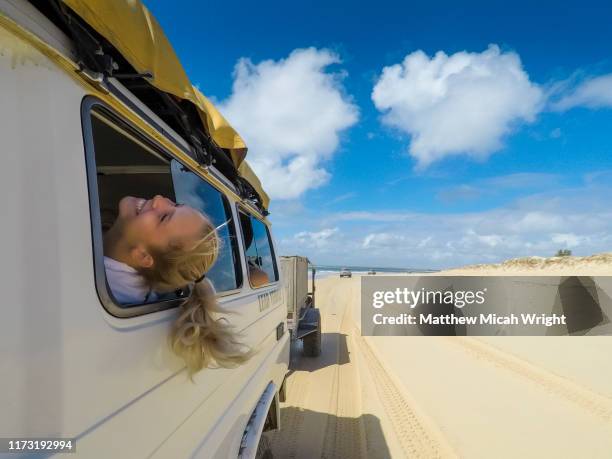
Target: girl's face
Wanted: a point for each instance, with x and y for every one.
(156, 224)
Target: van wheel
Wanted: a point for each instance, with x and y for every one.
(312, 343)
(264, 451)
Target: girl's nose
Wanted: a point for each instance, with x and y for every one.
(159, 202)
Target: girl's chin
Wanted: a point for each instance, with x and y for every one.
(127, 208)
(130, 205)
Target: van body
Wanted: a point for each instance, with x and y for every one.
(74, 363)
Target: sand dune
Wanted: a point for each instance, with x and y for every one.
(594, 265)
(427, 397)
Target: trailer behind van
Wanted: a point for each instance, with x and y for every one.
(303, 317)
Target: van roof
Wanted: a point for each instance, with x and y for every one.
(135, 33)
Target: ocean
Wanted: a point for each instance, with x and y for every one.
(329, 270)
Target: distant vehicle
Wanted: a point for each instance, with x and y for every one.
(303, 318)
(372, 272)
(344, 272)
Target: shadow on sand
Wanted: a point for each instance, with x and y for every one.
(306, 433)
(334, 351)
(310, 434)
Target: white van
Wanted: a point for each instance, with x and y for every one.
(73, 362)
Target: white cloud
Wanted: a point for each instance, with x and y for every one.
(536, 221)
(317, 239)
(367, 216)
(569, 240)
(424, 242)
(378, 240)
(522, 180)
(489, 240)
(593, 93)
(496, 185)
(540, 224)
(291, 113)
(342, 197)
(459, 104)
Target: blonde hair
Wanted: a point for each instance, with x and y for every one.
(196, 336)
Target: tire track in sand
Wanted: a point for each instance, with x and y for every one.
(345, 436)
(292, 420)
(417, 435)
(321, 417)
(596, 404)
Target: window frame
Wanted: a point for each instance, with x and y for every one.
(88, 105)
(244, 210)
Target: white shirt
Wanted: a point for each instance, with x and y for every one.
(127, 286)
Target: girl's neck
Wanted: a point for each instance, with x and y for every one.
(115, 247)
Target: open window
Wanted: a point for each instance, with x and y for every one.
(261, 262)
(122, 162)
(226, 273)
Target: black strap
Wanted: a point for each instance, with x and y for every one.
(200, 279)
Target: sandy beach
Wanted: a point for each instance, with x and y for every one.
(380, 397)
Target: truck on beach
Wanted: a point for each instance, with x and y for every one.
(96, 106)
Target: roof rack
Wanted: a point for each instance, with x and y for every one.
(192, 116)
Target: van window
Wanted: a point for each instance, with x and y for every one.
(121, 162)
(226, 273)
(261, 262)
(125, 167)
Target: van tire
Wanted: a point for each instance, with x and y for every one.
(264, 451)
(311, 344)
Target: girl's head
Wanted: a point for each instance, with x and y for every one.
(171, 246)
(168, 243)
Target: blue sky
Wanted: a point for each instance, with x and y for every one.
(376, 152)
